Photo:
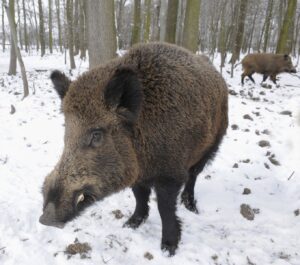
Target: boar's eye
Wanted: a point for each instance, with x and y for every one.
(96, 137)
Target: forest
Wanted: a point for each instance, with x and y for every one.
(245, 208)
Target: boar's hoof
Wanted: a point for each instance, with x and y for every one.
(189, 202)
(135, 221)
(170, 249)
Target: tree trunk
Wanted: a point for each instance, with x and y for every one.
(19, 22)
(101, 31)
(37, 35)
(25, 27)
(171, 21)
(267, 23)
(50, 26)
(76, 28)
(284, 41)
(156, 24)
(136, 30)
(42, 29)
(121, 4)
(13, 57)
(82, 29)
(3, 29)
(70, 33)
(240, 32)
(163, 19)
(59, 25)
(147, 21)
(191, 25)
(14, 44)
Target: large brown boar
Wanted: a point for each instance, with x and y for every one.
(150, 119)
(267, 64)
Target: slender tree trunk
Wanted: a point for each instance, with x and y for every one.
(284, 41)
(163, 19)
(42, 29)
(25, 27)
(50, 26)
(14, 44)
(59, 25)
(101, 31)
(70, 33)
(19, 22)
(13, 57)
(37, 35)
(121, 4)
(3, 29)
(82, 29)
(136, 30)
(171, 21)
(191, 25)
(156, 24)
(76, 27)
(252, 30)
(268, 22)
(240, 32)
(147, 21)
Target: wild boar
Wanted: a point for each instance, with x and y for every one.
(267, 64)
(150, 119)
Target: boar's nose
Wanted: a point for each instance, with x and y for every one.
(48, 217)
(293, 70)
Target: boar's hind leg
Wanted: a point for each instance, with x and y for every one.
(141, 212)
(167, 193)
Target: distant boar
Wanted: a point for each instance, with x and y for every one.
(266, 64)
(152, 118)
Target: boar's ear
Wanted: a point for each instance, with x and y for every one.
(286, 57)
(124, 94)
(61, 83)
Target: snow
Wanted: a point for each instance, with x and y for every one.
(31, 141)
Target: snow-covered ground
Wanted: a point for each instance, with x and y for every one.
(31, 141)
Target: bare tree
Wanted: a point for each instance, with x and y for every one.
(13, 57)
(14, 44)
(25, 27)
(57, 2)
(191, 25)
(50, 26)
(42, 29)
(147, 21)
(171, 21)
(70, 32)
(136, 30)
(101, 31)
(3, 29)
(285, 39)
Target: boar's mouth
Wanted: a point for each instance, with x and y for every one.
(48, 217)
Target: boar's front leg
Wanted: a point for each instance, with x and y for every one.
(273, 78)
(167, 193)
(141, 212)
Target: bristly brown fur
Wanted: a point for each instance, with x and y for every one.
(151, 118)
(267, 64)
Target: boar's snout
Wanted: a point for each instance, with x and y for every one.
(293, 70)
(48, 217)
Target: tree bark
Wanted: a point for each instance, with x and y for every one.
(3, 29)
(59, 25)
(70, 33)
(13, 30)
(268, 22)
(50, 26)
(171, 21)
(147, 21)
(76, 28)
(82, 29)
(101, 31)
(284, 41)
(42, 29)
(25, 27)
(136, 30)
(19, 22)
(191, 25)
(13, 57)
(37, 35)
(156, 24)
